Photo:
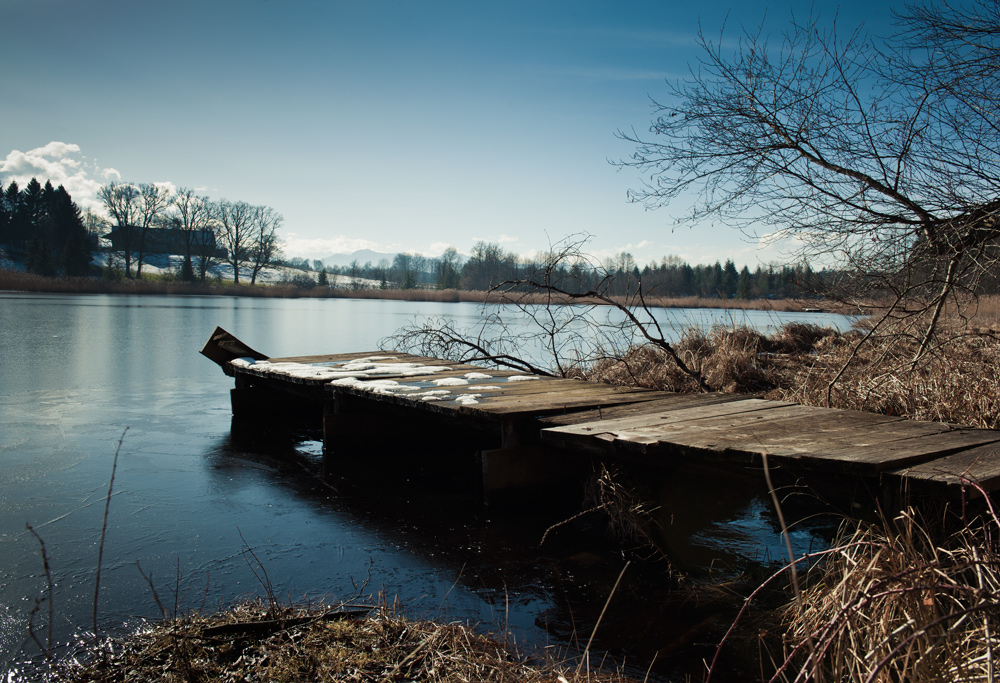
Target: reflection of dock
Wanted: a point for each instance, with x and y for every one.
(530, 429)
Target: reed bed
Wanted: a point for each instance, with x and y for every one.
(892, 602)
(256, 641)
(959, 382)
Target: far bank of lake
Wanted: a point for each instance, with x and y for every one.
(13, 280)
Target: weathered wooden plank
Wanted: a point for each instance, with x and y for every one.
(953, 472)
(900, 452)
(653, 420)
(791, 431)
(842, 440)
(833, 451)
(661, 401)
(537, 408)
(642, 433)
(555, 390)
(342, 357)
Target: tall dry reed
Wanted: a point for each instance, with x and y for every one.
(890, 602)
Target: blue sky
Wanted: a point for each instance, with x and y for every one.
(390, 125)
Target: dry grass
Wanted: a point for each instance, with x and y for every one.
(958, 383)
(889, 603)
(256, 642)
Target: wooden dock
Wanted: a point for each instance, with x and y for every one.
(535, 428)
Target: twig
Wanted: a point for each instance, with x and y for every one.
(156, 598)
(104, 531)
(264, 581)
(607, 602)
(46, 650)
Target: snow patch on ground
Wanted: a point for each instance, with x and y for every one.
(477, 375)
(521, 378)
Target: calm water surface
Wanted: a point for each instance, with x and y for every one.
(190, 496)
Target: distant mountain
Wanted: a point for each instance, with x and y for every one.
(362, 256)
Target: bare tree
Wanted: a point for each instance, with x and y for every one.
(121, 201)
(876, 158)
(134, 209)
(153, 200)
(194, 215)
(236, 222)
(264, 245)
(448, 276)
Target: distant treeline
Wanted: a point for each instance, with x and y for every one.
(489, 265)
(43, 228)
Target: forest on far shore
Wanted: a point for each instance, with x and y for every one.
(43, 229)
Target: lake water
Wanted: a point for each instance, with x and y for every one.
(190, 496)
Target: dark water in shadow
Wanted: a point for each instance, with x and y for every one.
(190, 494)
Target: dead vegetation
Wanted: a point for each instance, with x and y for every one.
(890, 602)
(255, 641)
(958, 382)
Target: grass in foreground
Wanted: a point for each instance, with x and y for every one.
(257, 642)
(893, 602)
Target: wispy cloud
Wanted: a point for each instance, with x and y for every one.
(609, 73)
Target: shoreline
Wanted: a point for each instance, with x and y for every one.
(18, 281)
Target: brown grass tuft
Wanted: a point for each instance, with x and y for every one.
(254, 642)
(959, 382)
(888, 603)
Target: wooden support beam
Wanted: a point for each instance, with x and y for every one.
(511, 473)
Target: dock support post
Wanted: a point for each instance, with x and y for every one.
(522, 464)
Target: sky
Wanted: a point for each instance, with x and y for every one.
(391, 125)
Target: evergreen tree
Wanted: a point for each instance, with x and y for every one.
(744, 286)
(39, 256)
(15, 233)
(323, 279)
(75, 257)
(30, 211)
(730, 279)
(187, 269)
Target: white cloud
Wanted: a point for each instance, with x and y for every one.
(167, 186)
(57, 163)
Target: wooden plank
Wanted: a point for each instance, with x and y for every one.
(641, 429)
(337, 357)
(659, 402)
(561, 404)
(901, 452)
(554, 390)
(862, 443)
(650, 420)
(789, 432)
(829, 451)
(953, 472)
(701, 433)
